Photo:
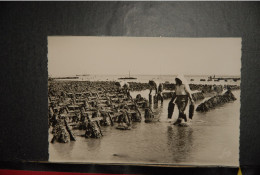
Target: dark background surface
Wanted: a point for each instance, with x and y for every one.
(24, 27)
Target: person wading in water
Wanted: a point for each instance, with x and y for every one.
(124, 87)
(182, 95)
(158, 89)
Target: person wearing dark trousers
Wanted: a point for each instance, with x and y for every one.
(183, 95)
(158, 90)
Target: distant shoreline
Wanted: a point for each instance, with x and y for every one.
(121, 75)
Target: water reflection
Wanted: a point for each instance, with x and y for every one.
(212, 139)
(180, 142)
(157, 111)
(63, 149)
(94, 144)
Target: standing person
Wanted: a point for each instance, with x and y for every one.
(183, 94)
(158, 89)
(124, 87)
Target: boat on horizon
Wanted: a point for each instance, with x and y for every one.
(127, 78)
(83, 75)
(64, 78)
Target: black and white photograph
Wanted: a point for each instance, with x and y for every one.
(144, 100)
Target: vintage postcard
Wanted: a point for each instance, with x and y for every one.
(144, 100)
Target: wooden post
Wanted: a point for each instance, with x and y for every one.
(150, 99)
(155, 99)
(72, 137)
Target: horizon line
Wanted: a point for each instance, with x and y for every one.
(148, 75)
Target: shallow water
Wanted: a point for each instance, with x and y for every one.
(212, 139)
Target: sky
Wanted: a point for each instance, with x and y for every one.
(71, 55)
